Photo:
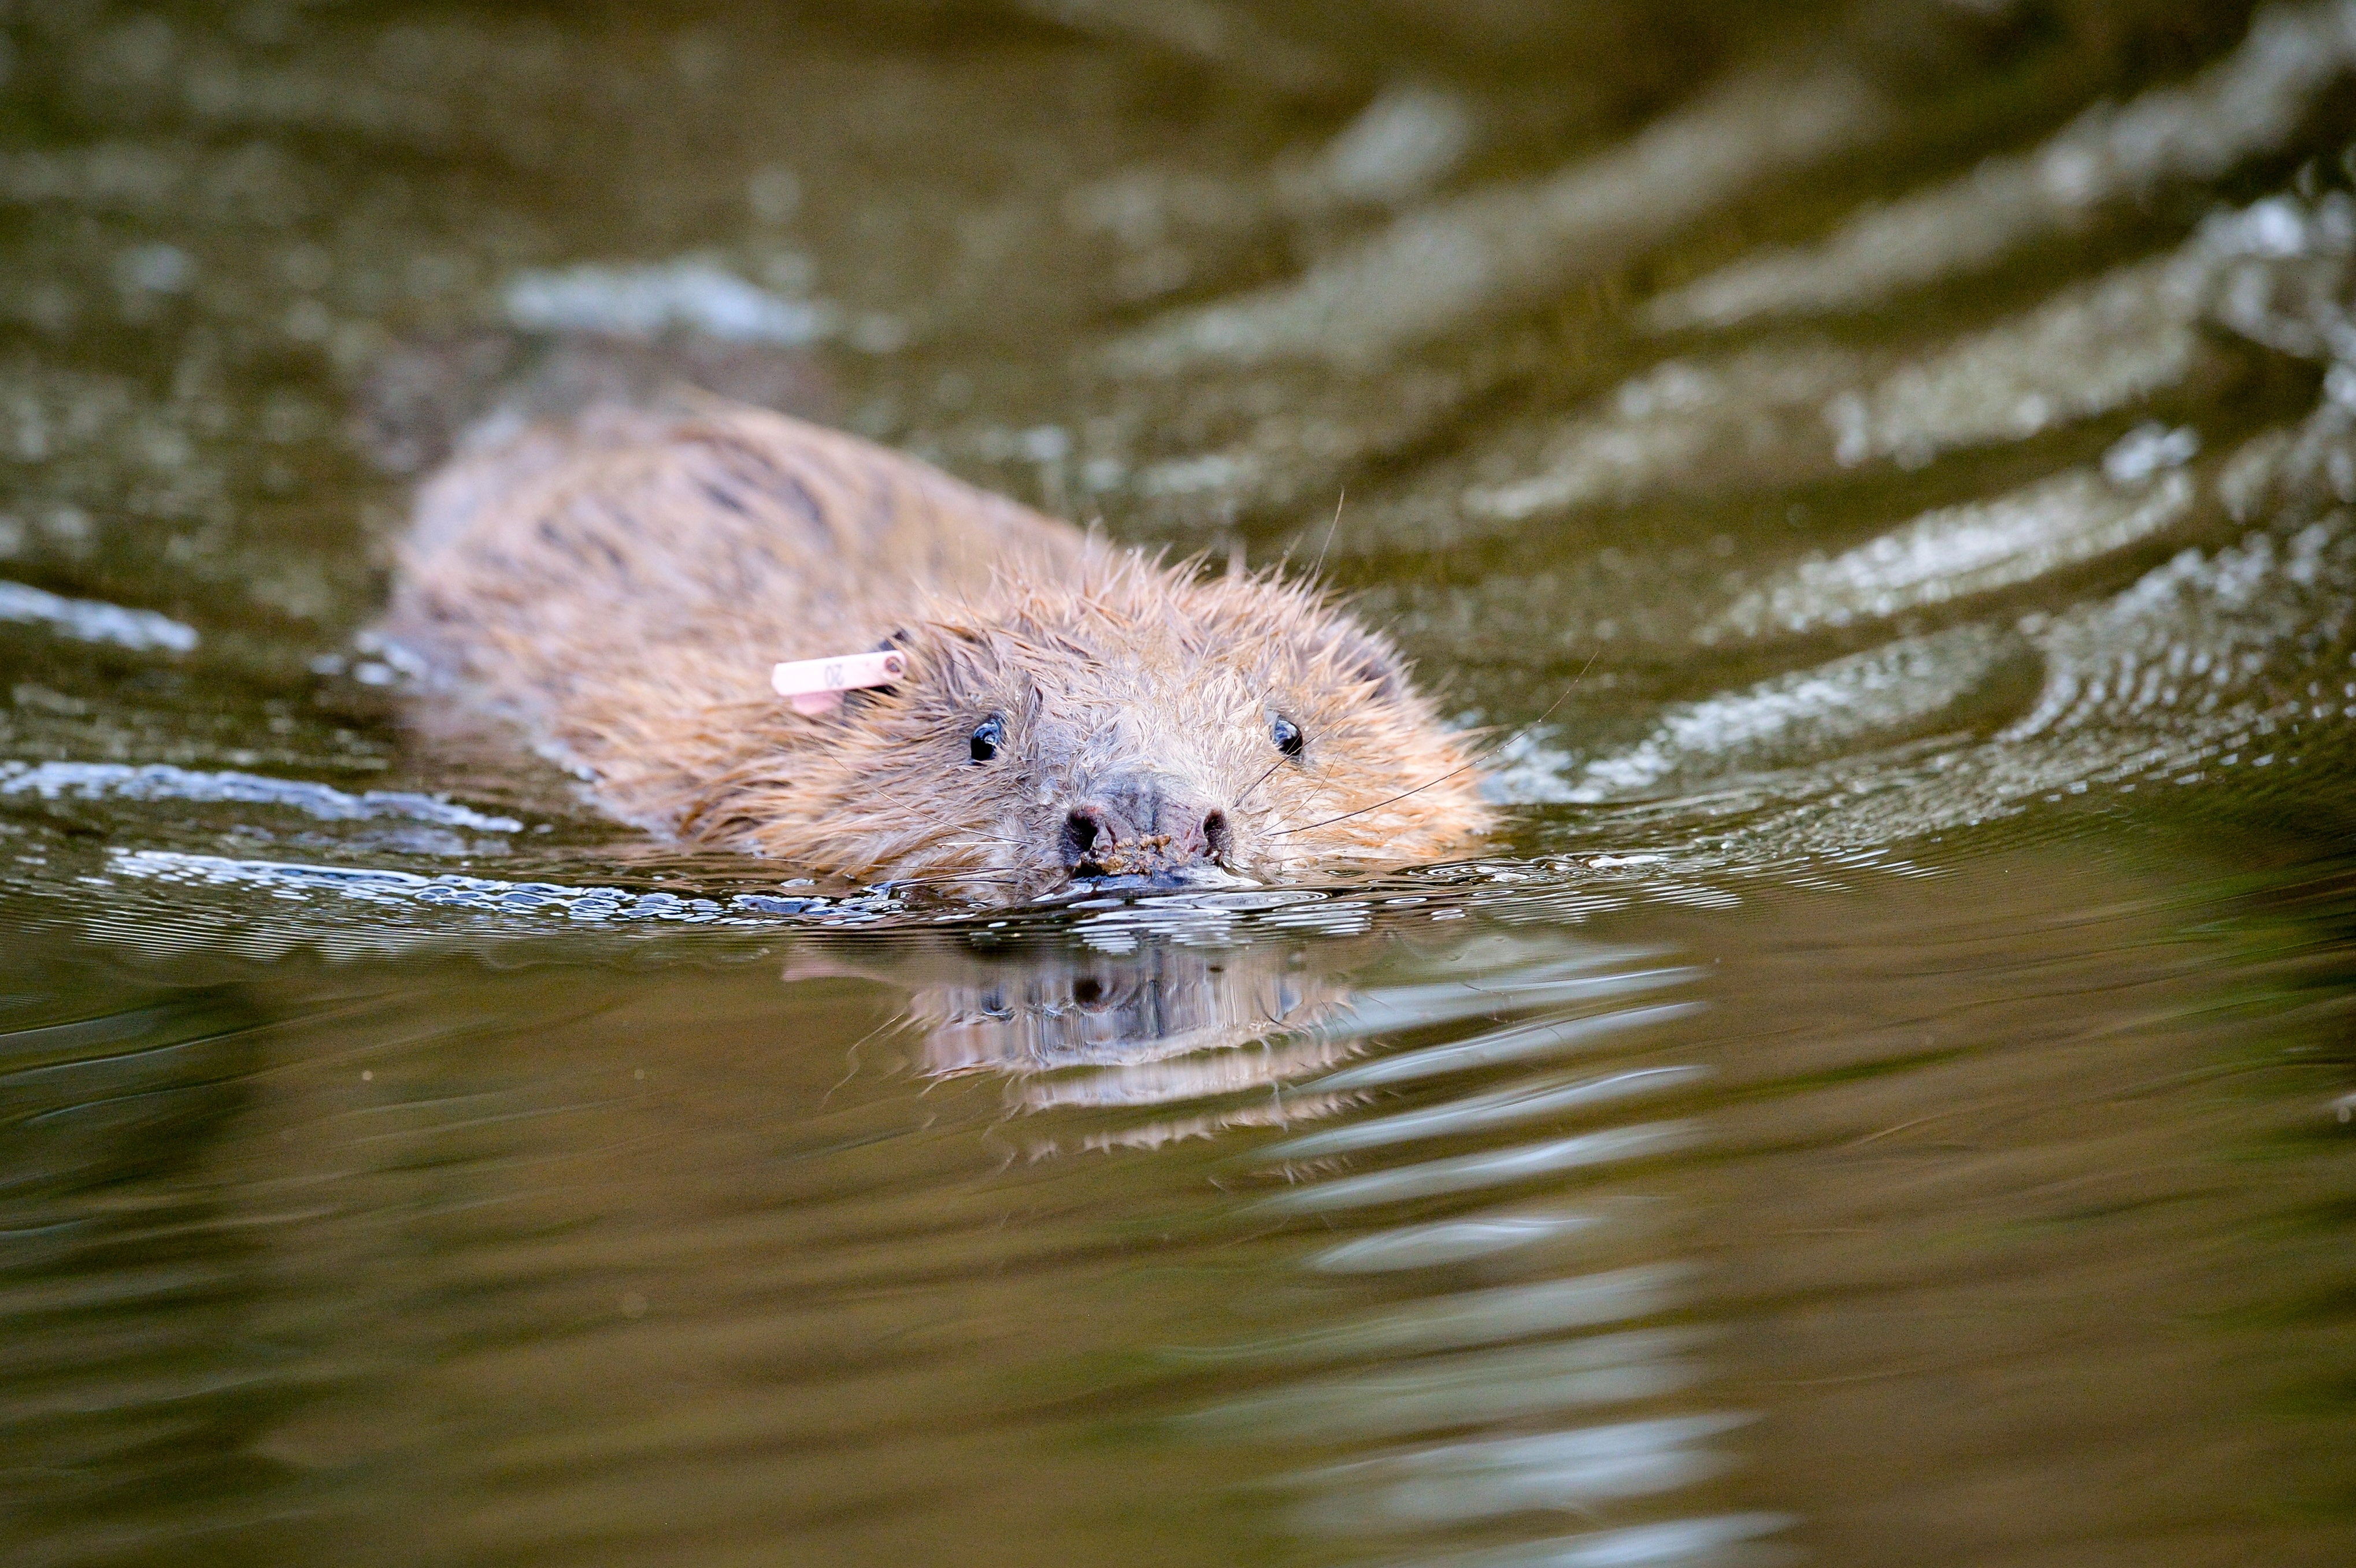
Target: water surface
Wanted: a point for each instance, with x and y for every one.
(1883, 473)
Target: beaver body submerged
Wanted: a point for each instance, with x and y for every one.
(618, 587)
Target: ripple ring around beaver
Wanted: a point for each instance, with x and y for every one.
(621, 588)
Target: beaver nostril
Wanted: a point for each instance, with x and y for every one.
(1080, 831)
(1215, 834)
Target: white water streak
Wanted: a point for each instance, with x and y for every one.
(163, 782)
(95, 621)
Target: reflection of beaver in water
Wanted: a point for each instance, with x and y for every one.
(620, 586)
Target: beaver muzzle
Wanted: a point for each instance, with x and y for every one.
(1141, 825)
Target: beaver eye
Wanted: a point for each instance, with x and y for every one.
(1287, 736)
(987, 736)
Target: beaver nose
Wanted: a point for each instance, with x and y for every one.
(1138, 825)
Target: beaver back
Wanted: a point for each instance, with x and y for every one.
(554, 564)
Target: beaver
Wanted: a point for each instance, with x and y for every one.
(618, 585)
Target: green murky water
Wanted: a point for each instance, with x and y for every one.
(1884, 472)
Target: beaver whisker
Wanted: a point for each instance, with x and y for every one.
(889, 883)
(1377, 806)
(974, 876)
(1446, 777)
(1256, 783)
(1336, 523)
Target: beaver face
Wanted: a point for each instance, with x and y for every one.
(1145, 726)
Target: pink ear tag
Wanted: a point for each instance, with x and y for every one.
(816, 685)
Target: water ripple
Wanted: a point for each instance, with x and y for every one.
(162, 782)
(1503, 1107)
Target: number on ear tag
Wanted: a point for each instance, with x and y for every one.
(816, 685)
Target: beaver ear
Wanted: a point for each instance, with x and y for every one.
(1366, 657)
(955, 658)
(894, 641)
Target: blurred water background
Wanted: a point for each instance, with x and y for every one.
(1883, 469)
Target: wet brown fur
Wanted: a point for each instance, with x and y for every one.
(618, 588)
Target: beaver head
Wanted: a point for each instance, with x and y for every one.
(1129, 722)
